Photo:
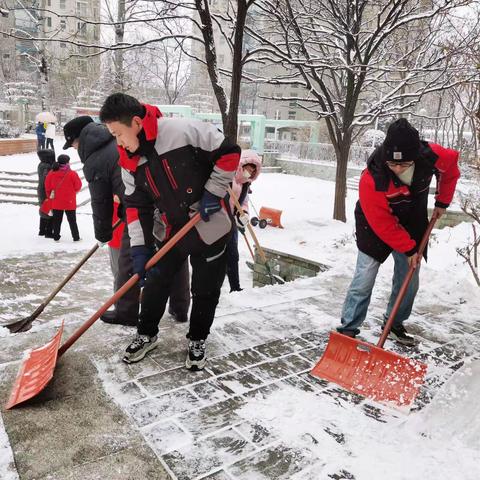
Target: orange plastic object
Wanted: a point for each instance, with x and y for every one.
(38, 367)
(36, 371)
(272, 216)
(368, 370)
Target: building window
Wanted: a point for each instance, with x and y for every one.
(49, 3)
(63, 24)
(291, 115)
(63, 45)
(292, 104)
(81, 9)
(62, 4)
(49, 21)
(6, 55)
(82, 28)
(82, 66)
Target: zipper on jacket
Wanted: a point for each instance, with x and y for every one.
(169, 173)
(154, 188)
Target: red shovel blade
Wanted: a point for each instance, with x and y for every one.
(367, 370)
(36, 371)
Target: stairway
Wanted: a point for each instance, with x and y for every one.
(21, 187)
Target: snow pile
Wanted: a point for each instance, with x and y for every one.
(393, 448)
(7, 464)
(454, 413)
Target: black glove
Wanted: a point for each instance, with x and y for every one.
(209, 204)
(140, 256)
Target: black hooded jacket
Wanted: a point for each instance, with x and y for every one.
(98, 152)
(47, 158)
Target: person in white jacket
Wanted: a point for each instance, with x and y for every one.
(50, 135)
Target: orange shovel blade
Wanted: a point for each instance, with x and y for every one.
(373, 372)
(36, 371)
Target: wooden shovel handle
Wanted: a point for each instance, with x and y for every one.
(250, 229)
(128, 284)
(406, 282)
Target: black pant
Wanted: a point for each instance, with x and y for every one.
(49, 143)
(232, 261)
(40, 143)
(208, 272)
(127, 306)
(45, 226)
(57, 223)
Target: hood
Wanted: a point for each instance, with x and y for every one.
(46, 156)
(93, 137)
(248, 156)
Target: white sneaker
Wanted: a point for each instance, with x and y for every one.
(139, 348)
(196, 355)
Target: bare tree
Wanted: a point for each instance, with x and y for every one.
(357, 60)
(470, 205)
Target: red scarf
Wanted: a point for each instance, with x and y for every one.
(150, 127)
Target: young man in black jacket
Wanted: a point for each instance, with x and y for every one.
(177, 166)
(98, 152)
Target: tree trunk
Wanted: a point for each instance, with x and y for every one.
(119, 84)
(231, 125)
(203, 10)
(342, 153)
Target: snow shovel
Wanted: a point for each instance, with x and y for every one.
(26, 323)
(248, 245)
(37, 369)
(369, 370)
(273, 278)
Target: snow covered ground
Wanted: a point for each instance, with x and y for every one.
(440, 441)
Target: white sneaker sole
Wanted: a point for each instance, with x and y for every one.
(195, 366)
(141, 355)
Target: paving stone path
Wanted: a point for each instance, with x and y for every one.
(100, 418)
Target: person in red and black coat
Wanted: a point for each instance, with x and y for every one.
(391, 217)
(62, 185)
(174, 167)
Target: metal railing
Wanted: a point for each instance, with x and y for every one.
(314, 152)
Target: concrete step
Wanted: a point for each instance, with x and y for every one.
(272, 170)
(18, 193)
(24, 185)
(17, 178)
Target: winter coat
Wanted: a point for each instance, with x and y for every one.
(50, 132)
(177, 160)
(98, 152)
(390, 215)
(66, 184)
(47, 157)
(40, 130)
(240, 184)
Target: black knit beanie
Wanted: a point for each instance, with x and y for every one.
(63, 159)
(402, 143)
